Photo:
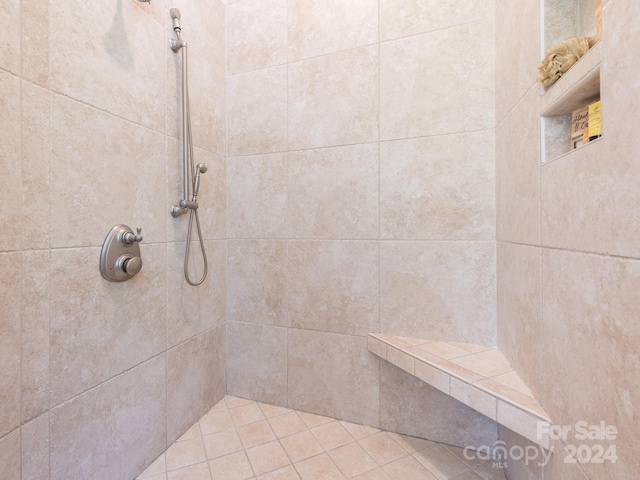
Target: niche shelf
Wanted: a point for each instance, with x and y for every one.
(580, 85)
(476, 375)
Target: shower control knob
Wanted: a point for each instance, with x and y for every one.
(129, 264)
(132, 266)
(128, 238)
(120, 257)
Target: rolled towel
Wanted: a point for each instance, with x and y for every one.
(561, 58)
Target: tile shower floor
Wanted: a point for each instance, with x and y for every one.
(241, 439)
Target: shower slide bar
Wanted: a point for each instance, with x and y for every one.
(190, 173)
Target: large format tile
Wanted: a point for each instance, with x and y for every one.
(35, 333)
(97, 161)
(318, 28)
(196, 379)
(193, 310)
(401, 18)
(10, 455)
(36, 145)
(113, 430)
(427, 90)
(256, 35)
(588, 299)
(438, 290)
(10, 148)
(257, 111)
(333, 193)
(332, 286)
(438, 188)
(10, 396)
(257, 362)
(256, 282)
(340, 379)
(589, 204)
(333, 99)
(35, 448)
(518, 48)
(121, 55)
(518, 173)
(519, 308)
(257, 196)
(10, 24)
(100, 328)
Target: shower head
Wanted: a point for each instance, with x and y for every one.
(145, 1)
(201, 168)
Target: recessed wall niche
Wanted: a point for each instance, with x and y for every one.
(561, 20)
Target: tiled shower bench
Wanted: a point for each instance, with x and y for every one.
(476, 375)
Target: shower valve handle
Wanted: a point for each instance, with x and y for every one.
(129, 238)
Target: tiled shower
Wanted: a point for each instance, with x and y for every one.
(374, 166)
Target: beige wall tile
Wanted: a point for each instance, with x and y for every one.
(332, 286)
(590, 205)
(518, 173)
(10, 185)
(97, 161)
(122, 59)
(401, 18)
(10, 290)
(193, 310)
(127, 413)
(35, 40)
(417, 76)
(318, 28)
(438, 290)
(257, 122)
(196, 379)
(257, 362)
(438, 188)
(587, 299)
(99, 328)
(10, 455)
(256, 282)
(434, 415)
(207, 104)
(257, 35)
(518, 48)
(35, 333)
(519, 293)
(333, 99)
(10, 56)
(257, 196)
(36, 144)
(339, 379)
(35, 448)
(333, 192)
